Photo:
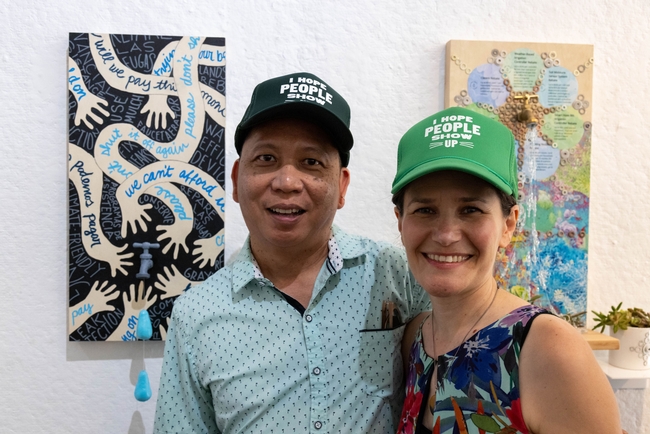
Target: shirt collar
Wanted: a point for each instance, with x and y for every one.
(341, 247)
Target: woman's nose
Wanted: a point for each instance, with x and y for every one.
(447, 231)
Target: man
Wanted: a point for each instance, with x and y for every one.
(289, 337)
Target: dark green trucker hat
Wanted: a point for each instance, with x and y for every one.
(458, 139)
(301, 95)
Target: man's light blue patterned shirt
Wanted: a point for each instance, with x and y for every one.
(240, 359)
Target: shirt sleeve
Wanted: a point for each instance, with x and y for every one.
(392, 272)
(184, 405)
(420, 301)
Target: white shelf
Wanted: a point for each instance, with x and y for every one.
(624, 378)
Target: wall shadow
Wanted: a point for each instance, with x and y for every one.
(83, 351)
(137, 424)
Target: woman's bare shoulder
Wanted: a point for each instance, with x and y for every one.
(560, 376)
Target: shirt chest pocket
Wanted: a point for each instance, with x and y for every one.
(380, 361)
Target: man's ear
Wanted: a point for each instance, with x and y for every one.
(344, 182)
(233, 177)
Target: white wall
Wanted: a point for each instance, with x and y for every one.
(386, 58)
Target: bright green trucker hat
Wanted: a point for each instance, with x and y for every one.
(300, 95)
(458, 139)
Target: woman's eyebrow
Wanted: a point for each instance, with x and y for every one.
(472, 199)
(422, 200)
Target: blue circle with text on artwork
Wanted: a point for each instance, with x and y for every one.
(559, 87)
(544, 159)
(485, 85)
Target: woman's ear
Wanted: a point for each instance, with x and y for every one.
(399, 220)
(510, 226)
(399, 225)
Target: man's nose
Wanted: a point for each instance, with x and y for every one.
(287, 179)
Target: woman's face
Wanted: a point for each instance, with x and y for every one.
(452, 226)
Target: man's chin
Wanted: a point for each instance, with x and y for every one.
(294, 238)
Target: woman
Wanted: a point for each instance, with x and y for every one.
(454, 196)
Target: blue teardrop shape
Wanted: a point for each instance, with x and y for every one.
(143, 388)
(144, 330)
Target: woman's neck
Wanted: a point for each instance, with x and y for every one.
(456, 318)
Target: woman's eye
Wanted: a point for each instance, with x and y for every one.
(470, 210)
(423, 211)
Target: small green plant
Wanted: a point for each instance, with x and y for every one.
(620, 319)
(575, 319)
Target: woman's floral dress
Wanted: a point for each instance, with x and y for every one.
(480, 393)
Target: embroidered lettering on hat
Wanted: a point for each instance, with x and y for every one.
(307, 89)
(450, 129)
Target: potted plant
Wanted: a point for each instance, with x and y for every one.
(632, 328)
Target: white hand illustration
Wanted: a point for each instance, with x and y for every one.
(85, 110)
(96, 301)
(134, 217)
(172, 282)
(158, 111)
(176, 236)
(116, 259)
(208, 249)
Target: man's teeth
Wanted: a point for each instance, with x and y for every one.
(285, 211)
(440, 258)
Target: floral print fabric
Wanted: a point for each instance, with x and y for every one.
(480, 392)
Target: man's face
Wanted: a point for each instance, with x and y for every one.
(289, 183)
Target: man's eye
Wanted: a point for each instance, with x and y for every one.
(265, 158)
(312, 162)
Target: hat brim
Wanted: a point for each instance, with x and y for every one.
(452, 163)
(303, 110)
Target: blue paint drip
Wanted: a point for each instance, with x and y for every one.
(144, 330)
(143, 388)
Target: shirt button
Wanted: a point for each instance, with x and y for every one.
(308, 318)
(318, 424)
(316, 371)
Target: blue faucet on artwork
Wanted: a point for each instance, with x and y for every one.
(145, 258)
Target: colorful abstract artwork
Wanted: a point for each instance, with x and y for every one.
(542, 92)
(146, 126)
